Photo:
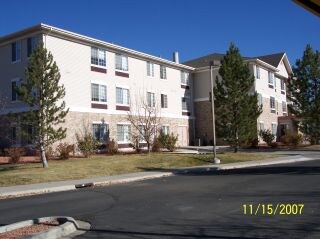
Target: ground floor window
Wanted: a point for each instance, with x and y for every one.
(123, 133)
(100, 132)
(274, 129)
(164, 129)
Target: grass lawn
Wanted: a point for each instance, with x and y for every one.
(98, 166)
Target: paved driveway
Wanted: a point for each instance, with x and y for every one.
(198, 205)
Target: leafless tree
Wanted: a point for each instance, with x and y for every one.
(145, 118)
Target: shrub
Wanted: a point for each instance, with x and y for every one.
(168, 141)
(15, 153)
(112, 147)
(64, 150)
(49, 153)
(156, 146)
(267, 136)
(86, 143)
(292, 138)
(135, 144)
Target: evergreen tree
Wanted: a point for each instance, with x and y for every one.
(304, 93)
(236, 103)
(42, 92)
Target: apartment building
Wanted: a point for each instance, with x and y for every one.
(103, 82)
(271, 73)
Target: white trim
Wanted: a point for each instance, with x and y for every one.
(99, 122)
(183, 125)
(123, 86)
(98, 66)
(98, 82)
(123, 123)
(99, 102)
(201, 99)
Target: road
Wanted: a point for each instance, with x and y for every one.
(194, 205)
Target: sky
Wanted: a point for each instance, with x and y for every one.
(194, 28)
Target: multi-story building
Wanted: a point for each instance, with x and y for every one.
(271, 73)
(102, 81)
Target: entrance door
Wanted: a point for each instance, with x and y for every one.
(183, 135)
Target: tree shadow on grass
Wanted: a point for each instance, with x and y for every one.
(7, 168)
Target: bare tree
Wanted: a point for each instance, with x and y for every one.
(145, 118)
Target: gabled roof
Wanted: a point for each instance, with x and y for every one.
(273, 59)
(205, 60)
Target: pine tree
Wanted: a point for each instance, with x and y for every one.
(236, 103)
(42, 92)
(304, 93)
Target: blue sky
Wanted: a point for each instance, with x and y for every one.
(192, 27)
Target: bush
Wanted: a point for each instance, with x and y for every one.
(267, 136)
(86, 143)
(112, 147)
(168, 141)
(156, 146)
(64, 150)
(49, 153)
(292, 138)
(135, 144)
(15, 153)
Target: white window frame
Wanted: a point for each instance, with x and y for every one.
(128, 96)
(185, 78)
(100, 99)
(282, 85)
(260, 99)
(17, 51)
(163, 72)
(165, 102)
(284, 107)
(261, 123)
(270, 78)
(106, 129)
(257, 72)
(272, 128)
(165, 129)
(274, 105)
(99, 52)
(151, 99)
(150, 68)
(127, 135)
(187, 104)
(121, 62)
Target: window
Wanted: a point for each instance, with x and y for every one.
(274, 129)
(122, 96)
(272, 104)
(260, 103)
(151, 99)
(141, 133)
(270, 78)
(185, 103)
(123, 133)
(164, 129)
(98, 56)
(257, 72)
(282, 86)
(164, 101)
(261, 126)
(28, 134)
(16, 51)
(150, 69)
(31, 45)
(284, 107)
(163, 72)
(100, 132)
(121, 62)
(14, 85)
(13, 135)
(184, 78)
(98, 93)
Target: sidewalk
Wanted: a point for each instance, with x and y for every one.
(22, 190)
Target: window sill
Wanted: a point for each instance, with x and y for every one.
(283, 92)
(186, 113)
(122, 74)
(273, 111)
(187, 87)
(99, 105)
(99, 69)
(123, 107)
(14, 62)
(271, 86)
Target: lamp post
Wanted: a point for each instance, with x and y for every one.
(215, 159)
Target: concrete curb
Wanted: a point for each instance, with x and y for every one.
(69, 226)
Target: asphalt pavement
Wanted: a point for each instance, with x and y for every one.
(193, 205)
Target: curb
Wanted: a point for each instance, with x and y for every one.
(70, 226)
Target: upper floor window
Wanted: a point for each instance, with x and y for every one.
(100, 132)
(164, 101)
(284, 107)
(121, 62)
(98, 93)
(260, 103)
(16, 51)
(163, 72)
(151, 99)
(14, 84)
(150, 68)
(257, 72)
(270, 79)
(184, 78)
(122, 96)
(283, 87)
(31, 45)
(98, 56)
(185, 103)
(272, 104)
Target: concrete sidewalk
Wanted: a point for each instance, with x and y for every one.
(22, 190)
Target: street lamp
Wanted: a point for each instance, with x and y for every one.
(215, 159)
